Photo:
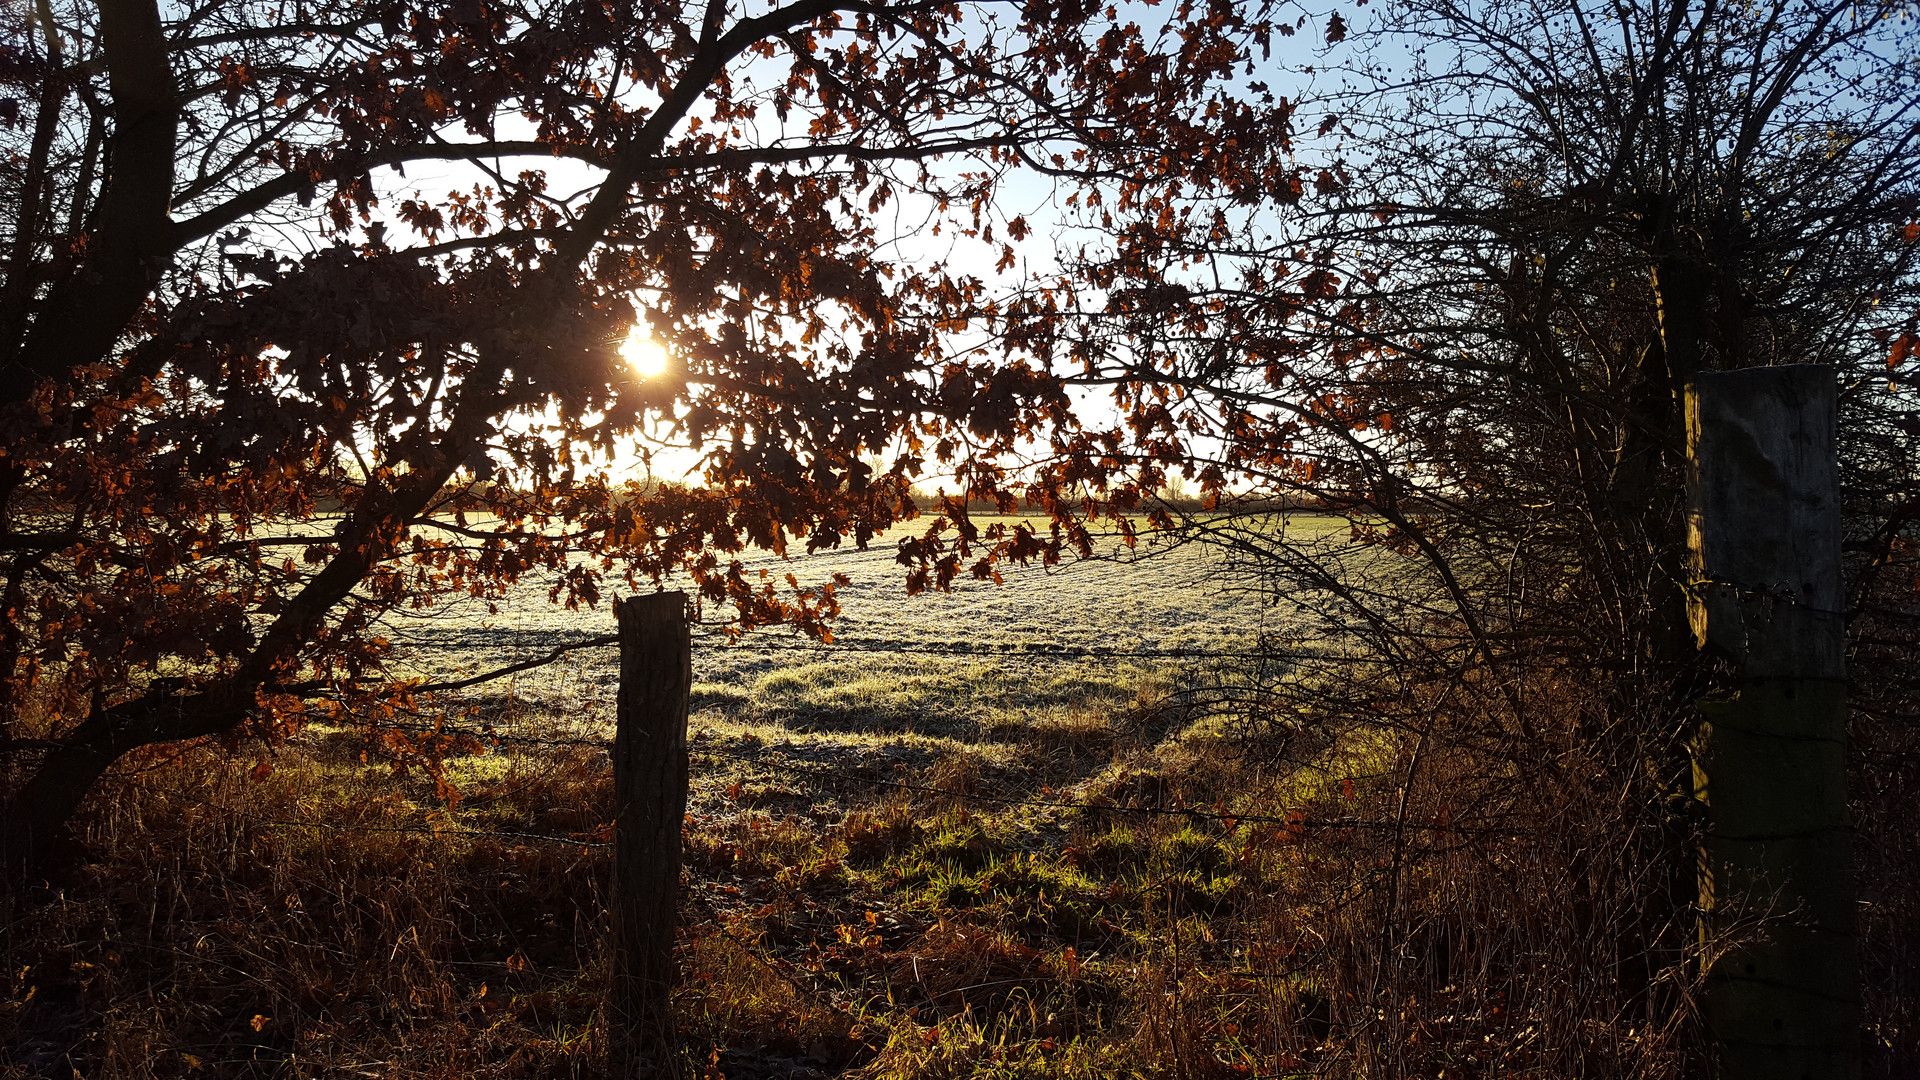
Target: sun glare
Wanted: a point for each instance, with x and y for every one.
(647, 356)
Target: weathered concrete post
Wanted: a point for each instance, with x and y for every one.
(650, 804)
(1770, 759)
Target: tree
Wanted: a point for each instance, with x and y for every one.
(1467, 327)
(256, 399)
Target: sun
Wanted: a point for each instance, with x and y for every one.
(647, 356)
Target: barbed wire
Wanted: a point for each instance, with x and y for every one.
(758, 756)
(1197, 813)
(1023, 652)
(1230, 818)
(429, 830)
(1066, 652)
(358, 827)
(551, 656)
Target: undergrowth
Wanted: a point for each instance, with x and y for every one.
(1077, 898)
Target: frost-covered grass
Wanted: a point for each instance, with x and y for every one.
(962, 663)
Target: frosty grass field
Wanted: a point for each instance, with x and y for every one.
(951, 665)
(1046, 632)
(908, 679)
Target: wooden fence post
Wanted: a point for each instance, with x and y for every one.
(650, 804)
(1770, 758)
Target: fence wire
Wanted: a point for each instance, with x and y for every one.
(491, 736)
(1029, 652)
(1229, 819)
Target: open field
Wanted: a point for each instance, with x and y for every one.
(932, 663)
(980, 836)
(907, 856)
(866, 887)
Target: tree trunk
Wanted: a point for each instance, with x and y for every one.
(1776, 889)
(31, 820)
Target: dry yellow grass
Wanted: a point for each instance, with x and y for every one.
(895, 909)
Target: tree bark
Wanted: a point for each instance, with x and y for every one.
(31, 820)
